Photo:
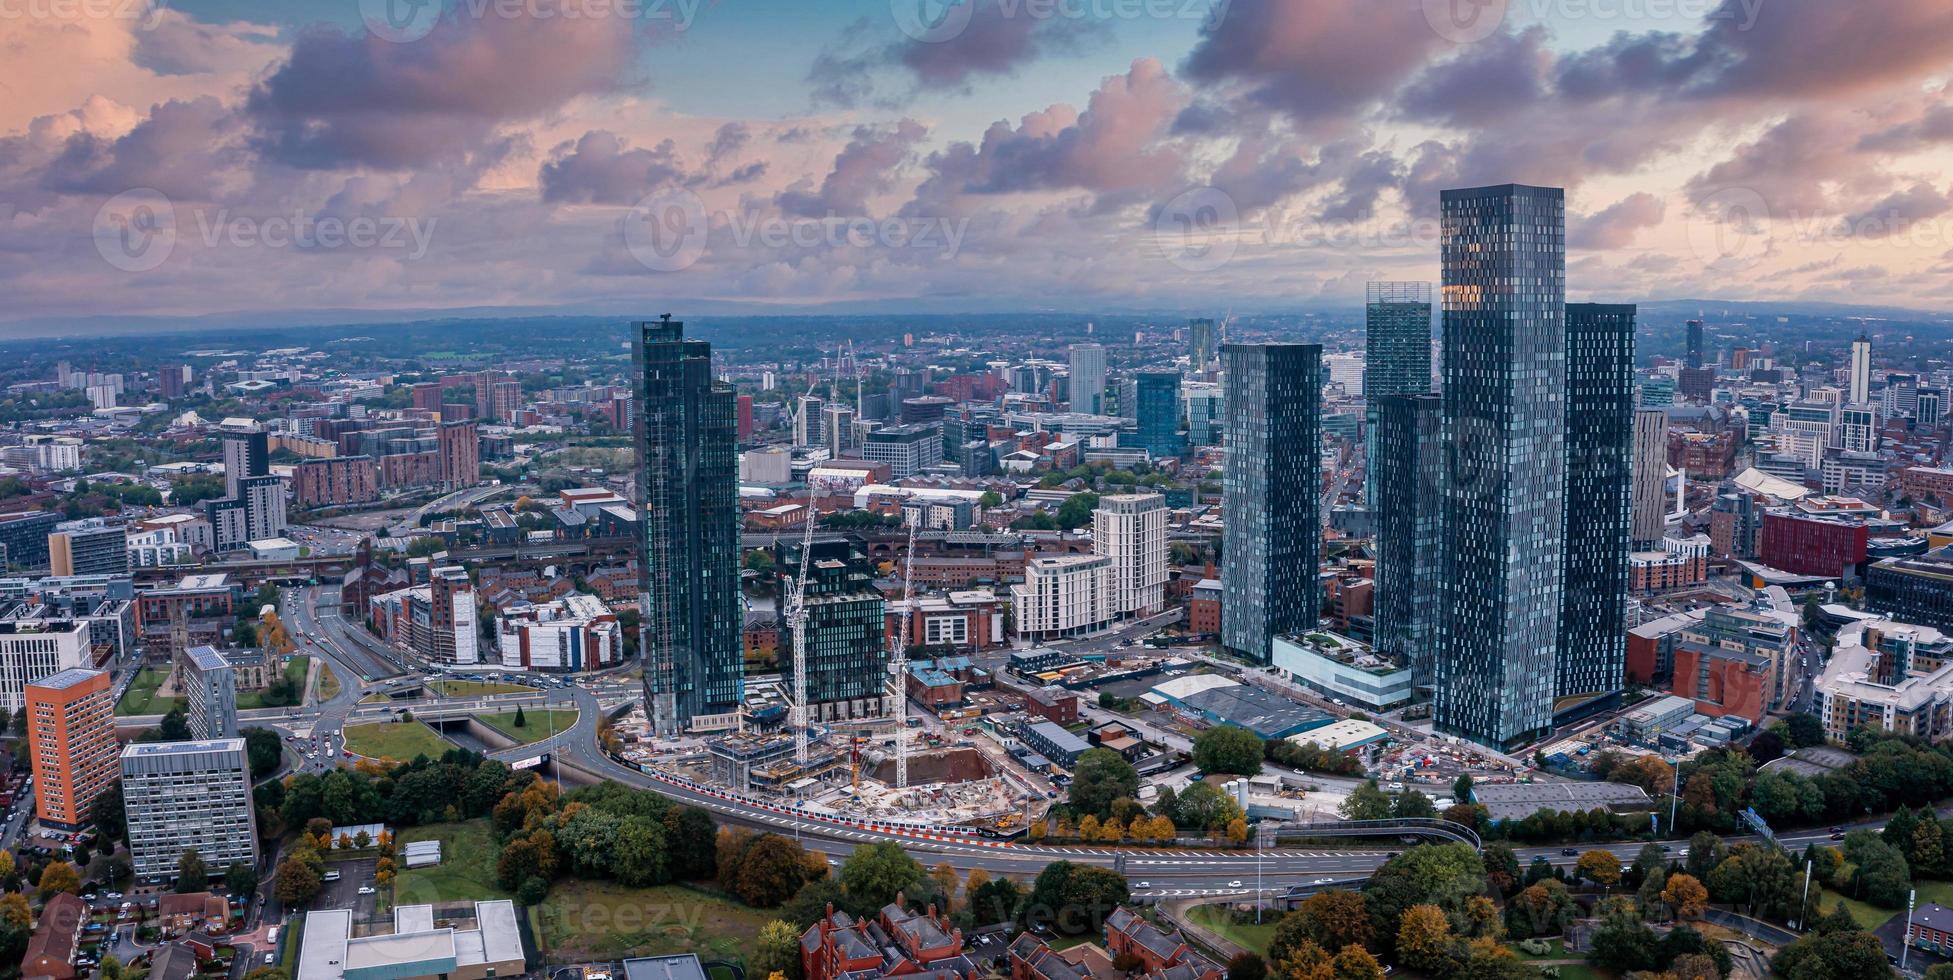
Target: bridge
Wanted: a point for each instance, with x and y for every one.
(1425, 827)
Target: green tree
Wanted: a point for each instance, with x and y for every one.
(240, 878)
(1366, 802)
(1623, 942)
(1247, 965)
(521, 720)
(191, 874)
(640, 856)
(1853, 955)
(772, 870)
(1461, 788)
(873, 875)
(1228, 749)
(1076, 511)
(1101, 777)
(994, 901)
(776, 950)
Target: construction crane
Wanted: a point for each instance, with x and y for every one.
(898, 664)
(796, 610)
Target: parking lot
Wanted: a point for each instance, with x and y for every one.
(354, 874)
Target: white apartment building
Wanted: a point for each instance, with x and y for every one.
(1130, 529)
(576, 632)
(157, 546)
(1063, 595)
(180, 796)
(33, 650)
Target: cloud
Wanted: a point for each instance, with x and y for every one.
(1319, 62)
(863, 168)
(1615, 225)
(342, 100)
(601, 169)
(1897, 212)
(183, 149)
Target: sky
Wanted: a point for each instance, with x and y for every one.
(185, 158)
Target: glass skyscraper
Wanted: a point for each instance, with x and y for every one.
(1597, 528)
(847, 660)
(1270, 482)
(1156, 408)
(1503, 251)
(687, 427)
(1408, 470)
(1203, 343)
(1396, 355)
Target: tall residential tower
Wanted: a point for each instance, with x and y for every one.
(1270, 482)
(1396, 355)
(1599, 458)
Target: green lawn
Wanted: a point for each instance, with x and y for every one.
(1217, 919)
(141, 698)
(328, 683)
(475, 689)
(1871, 916)
(538, 725)
(608, 920)
(395, 740)
(466, 871)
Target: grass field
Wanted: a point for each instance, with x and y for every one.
(395, 740)
(475, 689)
(1215, 918)
(295, 671)
(605, 919)
(141, 698)
(466, 871)
(1871, 916)
(328, 683)
(538, 725)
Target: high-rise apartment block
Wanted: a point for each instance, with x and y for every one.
(1087, 378)
(184, 796)
(1156, 410)
(88, 547)
(1649, 493)
(1204, 343)
(1396, 354)
(253, 505)
(71, 733)
(1270, 484)
(35, 649)
(1408, 474)
(694, 657)
(847, 659)
(210, 686)
(1504, 390)
(1130, 529)
(1599, 434)
(1859, 386)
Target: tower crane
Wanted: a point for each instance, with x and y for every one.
(796, 610)
(898, 663)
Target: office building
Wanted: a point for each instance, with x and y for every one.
(694, 659)
(210, 686)
(71, 733)
(847, 659)
(1915, 589)
(1649, 493)
(1156, 409)
(1203, 343)
(1396, 355)
(1408, 471)
(1130, 529)
(907, 449)
(88, 547)
(1270, 486)
(1599, 435)
(1504, 385)
(23, 538)
(1694, 357)
(577, 632)
(1087, 378)
(1859, 384)
(181, 796)
(1205, 411)
(33, 650)
(837, 430)
(247, 452)
(807, 421)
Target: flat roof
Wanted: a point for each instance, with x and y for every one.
(66, 678)
(1516, 801)
(680, 966)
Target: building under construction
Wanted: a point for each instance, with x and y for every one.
(756, 762)
(843, 631)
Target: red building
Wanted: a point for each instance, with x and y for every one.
(964, 621)
(1722, 682)
(335, 482)
(1204, 607)
(745, 423)
(896, 943)
(1053, 704)
(1158, 951)
(1808, 545)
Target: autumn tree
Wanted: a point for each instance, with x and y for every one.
(1424, 939)
(1601, 867)
(59, 876)
(1685, 894)
(1333, 918)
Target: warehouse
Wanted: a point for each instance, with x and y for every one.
(1517, 801)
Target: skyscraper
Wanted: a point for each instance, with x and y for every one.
(1694, 357)
(180, 796)
(807, 421)
(1408, 470)
(1270, 481)
(1204, 342)
(1087, 378)
(1650, 490)
(1599, 459)
(1504, 383)
(847, 659)
(1861, 370)
(71, 728)
(209, 682)
(1156, 407)
(1396, 355)
(1130, 528)
(688, 485)
(247, 452)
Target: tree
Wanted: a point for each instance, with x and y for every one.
(1101, 777)
(1623, 942)
(106, 814)
(993, 901)
(1334, 918)
(1501, 867)
(640, 855)
(1706, 850)
(1076, 511)
(1802, 730)
(240, 878)
(191, 874)
(1685, 895)
(947, 881)
(15, 912)
(1854, 955)
(265, 751)
(521, 720)
(873, 875)
(773, 869)
(1600, 867)
(1648, 772)
(1204, 807)
(1411, 804)
(59, 876)
(295, 882)
(1074, 899)
(1424, 939)
(1366, 802)
(777, 950)
(1540, 909)
(175, 726)
(1228, 749)
(1355, 963)
(1248, 965)
(1461, 788)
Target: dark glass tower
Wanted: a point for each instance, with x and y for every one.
(847, 662)
(1270, 482)
(1409, 471)
(1203, 342)
(1599, 468)
(1156, 400)
(1694, 356)
(1396, 355)
(1504, 389)
(687, 427)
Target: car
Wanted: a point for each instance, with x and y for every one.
(1323, 881)
(1666, 849)
(366, 889)
(89, 897)
(1569, 852)
(1836, 836)
(1236, 883)
(112, 895)
(1142, 884)
(270, 958)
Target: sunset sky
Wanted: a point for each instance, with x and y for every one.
(613, 155)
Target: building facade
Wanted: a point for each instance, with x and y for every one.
(1156, 409)
(71, 734)
(907, 449)
(1063, 596)
(195, 795)
(1396, 356)
(845, 632)
(1406, 473)
(207, 681)
(33, 650)
(1649, 493)
(1087, 384)
(1270, 495)
(1599, 432)
(1130, 529)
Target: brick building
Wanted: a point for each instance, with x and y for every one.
(895, 943)
(1812, 545)
(336, 482)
